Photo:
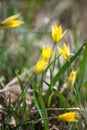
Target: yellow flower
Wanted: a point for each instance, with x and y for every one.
(69, 117)
(12, 21)
(57, 33)
(72, 78)
(65, 52)
(46, 53)
(41, 64)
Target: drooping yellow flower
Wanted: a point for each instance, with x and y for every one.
(57, 33)
(41, 64)
(12, 21)
(46, 53)
(65, 52)
(69, 117)
(72, 78)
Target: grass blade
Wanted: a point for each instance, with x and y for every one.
(44, 112)
(83, 64)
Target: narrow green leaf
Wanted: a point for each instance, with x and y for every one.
(82, 68)
(37, 104)
(49, 99)
(43, 110)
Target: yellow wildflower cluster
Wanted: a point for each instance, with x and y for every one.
(57, 35)
(68, 117)
(64, 51)
(12, 21)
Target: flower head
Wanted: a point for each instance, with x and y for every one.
(65, 52)
(46, 53)
(72, 78)
(41, 64)
(12, 21)
(69, 117)
(57, 33)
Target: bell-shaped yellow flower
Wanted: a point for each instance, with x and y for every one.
(41, 64)
(12, 21)
(46, 53)
(65, 52)
(72, 78)
(69, 117)
(57, 33)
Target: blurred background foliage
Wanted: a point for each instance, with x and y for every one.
(20, 47)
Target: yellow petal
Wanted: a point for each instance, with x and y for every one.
(46, 53)
(11, 18)
(72, 78)
(66, 48)
(65, 52)
(60, 50)
(57, 33)
(13, 23)
(41, 64)
(69, 117)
